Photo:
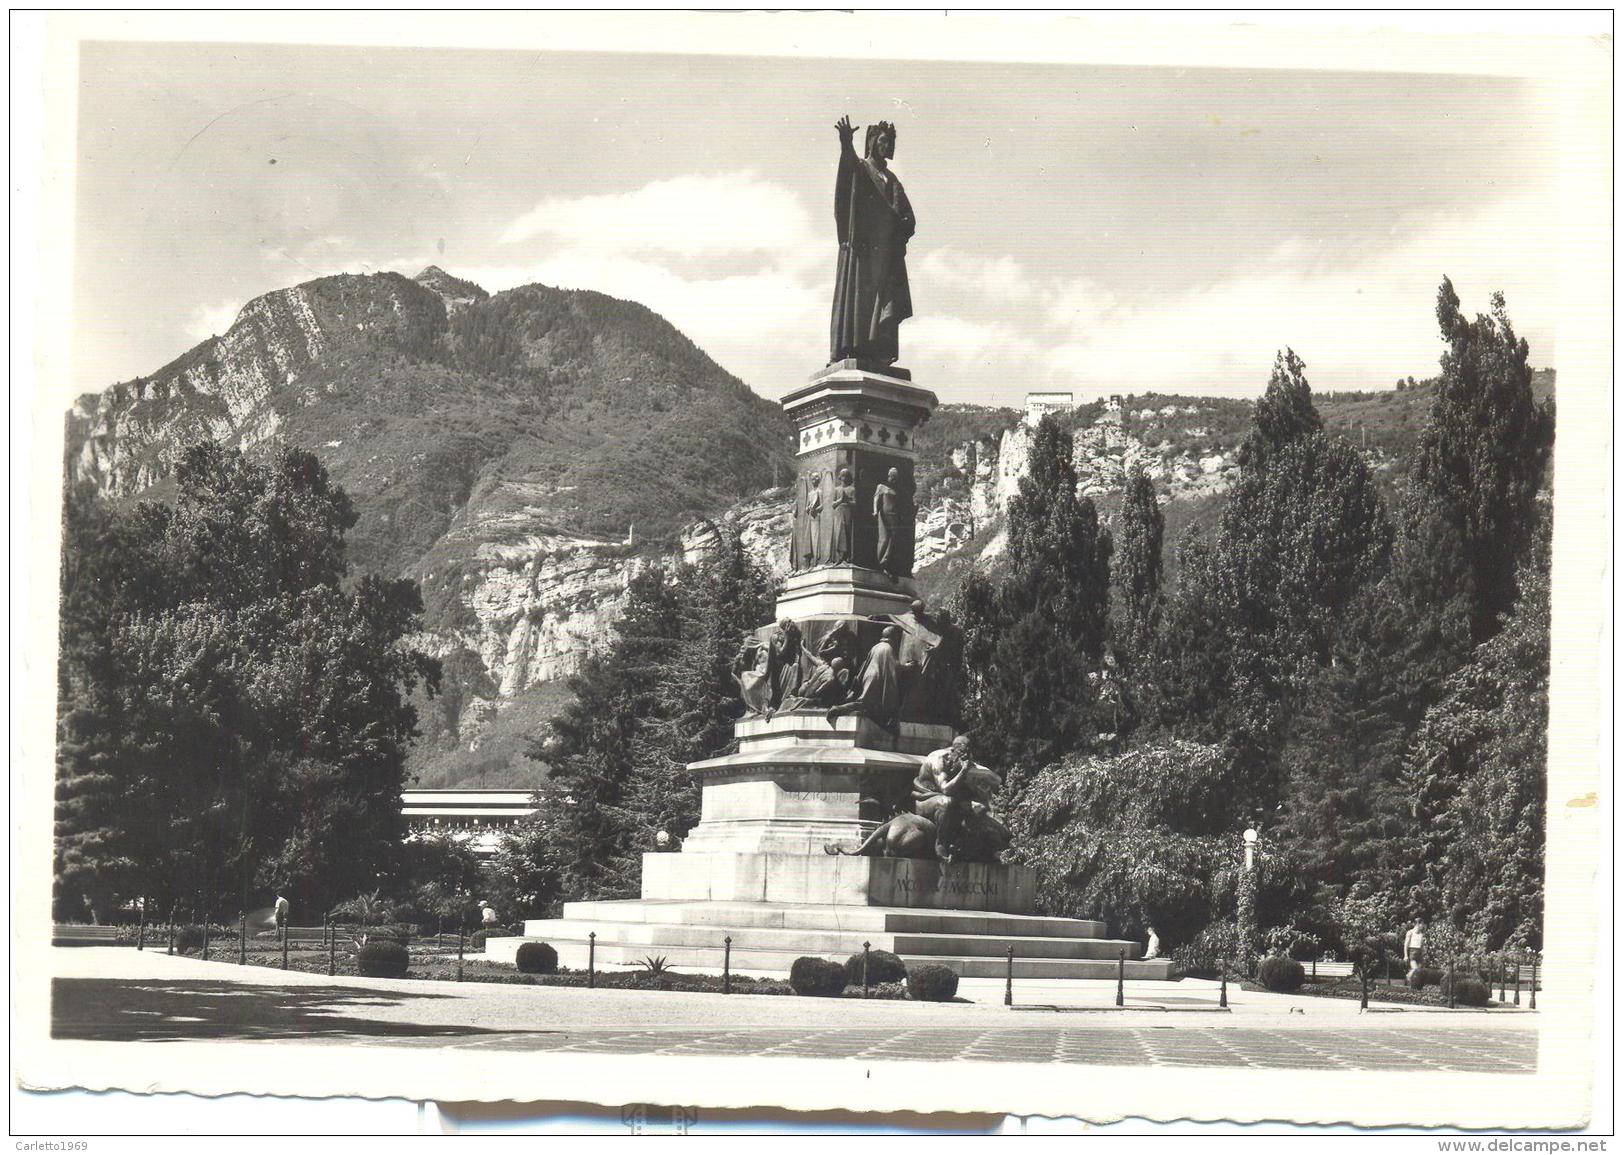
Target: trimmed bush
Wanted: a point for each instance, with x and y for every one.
(476, 941)
(1283, 975)
(931, 983)
(818, 977)
(1468, 992)
(188, 939)
(883, 967)
(537, 958)
(1422, 977)
(382, 960)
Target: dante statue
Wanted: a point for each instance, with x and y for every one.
(874, 221)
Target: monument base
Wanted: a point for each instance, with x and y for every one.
(779, 907)
(768, 937)
(839, 880)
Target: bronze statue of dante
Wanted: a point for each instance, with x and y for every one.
(875, 222)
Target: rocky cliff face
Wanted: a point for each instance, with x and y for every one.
(519, 455)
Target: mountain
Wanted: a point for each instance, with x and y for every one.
(516, 453)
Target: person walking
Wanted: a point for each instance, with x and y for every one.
(280, 910)
(1414, 945)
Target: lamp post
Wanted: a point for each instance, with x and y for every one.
(1246, 903)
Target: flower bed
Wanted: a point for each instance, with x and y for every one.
(441, 965)
(1346, 987)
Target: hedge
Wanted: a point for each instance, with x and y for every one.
(931, 983)
(818, 977)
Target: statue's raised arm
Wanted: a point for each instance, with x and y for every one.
(874, 221)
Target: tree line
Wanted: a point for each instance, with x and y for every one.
(1363, 682)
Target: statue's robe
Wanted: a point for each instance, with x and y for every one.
(784, 667)
(840, 528)
(811, 542)
(929, 659)
(823, 686)
(755, 682)
(871, 293)
(879, 693)
(888, 507)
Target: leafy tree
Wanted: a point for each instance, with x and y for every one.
(1148, 836)
(1477, 773)
(1040, 640)
(1486, 449)
(233, 718)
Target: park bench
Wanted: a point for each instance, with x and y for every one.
(73, 934)
(306, 935)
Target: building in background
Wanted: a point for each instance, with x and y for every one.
(1038, 404)
(479, 816)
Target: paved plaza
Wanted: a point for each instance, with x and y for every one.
(118, 994)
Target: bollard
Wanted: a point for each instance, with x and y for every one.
(205, 938)
(1008, 979)
(727, 965)
(141, 931)
(1315, 968)
(1450, 984)
(591, 959)
(865, 947)
(332, 955)
(1518, 992)
(461, 938)
(1121, 977)
(1532, 986)
(242, 942)
(1363, 990)
(1501, 980)
(284, 948)
(171, 938)
(1223, 988)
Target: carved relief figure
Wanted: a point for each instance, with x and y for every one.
(878, 691)
(811, 521)
(843, 505)
(874, 222)
(750, 671)
(930, 659)
(892, 511)
(785, 662)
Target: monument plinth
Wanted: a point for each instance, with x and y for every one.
(849, 812)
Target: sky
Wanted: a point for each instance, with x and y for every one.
(1094, 229)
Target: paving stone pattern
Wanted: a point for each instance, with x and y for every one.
(1181, 1046)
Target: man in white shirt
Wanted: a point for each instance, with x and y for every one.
(1414, 944)
(1152, 949)
(281, 909)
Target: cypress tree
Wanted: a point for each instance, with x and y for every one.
(1485, 451)
(1039, 641)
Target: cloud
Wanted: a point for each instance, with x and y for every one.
(208, 321)
(1358, 322)
(733, 318)
(691, 216)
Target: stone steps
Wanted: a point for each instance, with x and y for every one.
(768, 937)
(812, 916)
(644, 936)
(748, 959)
